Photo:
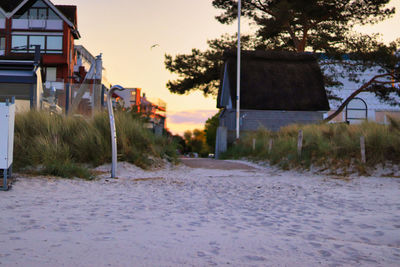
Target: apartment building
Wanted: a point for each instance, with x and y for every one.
(25, 24)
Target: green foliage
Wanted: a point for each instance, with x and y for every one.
(301, 25)
(61, 145)
(195, 142)
(210, 130)
(328, 145)
(305, 24)
(201, 70)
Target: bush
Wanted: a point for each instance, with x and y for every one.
(61, 145)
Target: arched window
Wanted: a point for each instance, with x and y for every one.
(356, 111)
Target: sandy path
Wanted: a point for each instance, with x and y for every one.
(203, 163)
(201, 217)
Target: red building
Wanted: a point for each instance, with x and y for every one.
(25, 24)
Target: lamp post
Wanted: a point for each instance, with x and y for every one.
(238, 74)
(113, 130)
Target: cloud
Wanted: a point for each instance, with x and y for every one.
(179, 122)
(190, 117)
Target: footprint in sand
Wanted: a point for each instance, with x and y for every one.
(255, 258)
(325, 253)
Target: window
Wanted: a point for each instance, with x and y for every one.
(39, 4)
(51, 74)
(2, 45)
(36, 40)
(52, 15)
(19, 43)
(39, 11)
(26, 43)
(54, 42)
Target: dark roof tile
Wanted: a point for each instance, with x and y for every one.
(69, 12)
(9, 5)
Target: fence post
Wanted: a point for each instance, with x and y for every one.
(254, 144)
(67, 98)
(300, 143)
(271, 141)
(362, 146)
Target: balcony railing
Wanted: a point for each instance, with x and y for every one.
(38, 24)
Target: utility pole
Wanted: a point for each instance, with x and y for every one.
(238, 74)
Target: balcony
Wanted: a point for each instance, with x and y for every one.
(36, 24)
(2, 23)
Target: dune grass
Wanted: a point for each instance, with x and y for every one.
(69, 146)
(334, 146)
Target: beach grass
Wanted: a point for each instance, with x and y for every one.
(69, 146)
(334, 146)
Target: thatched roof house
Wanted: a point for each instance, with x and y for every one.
(274, 80)
(277, 89)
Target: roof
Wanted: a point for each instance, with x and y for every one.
(69, 12)
(10, 5)
(276, 80)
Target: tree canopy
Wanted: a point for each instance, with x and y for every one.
(321, 26)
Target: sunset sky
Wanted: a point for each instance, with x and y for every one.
(124, 31)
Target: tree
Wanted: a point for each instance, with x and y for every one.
(385, 84)
(299, 25)
(196, 142)
(201, 70)
(320, 25)
(210, 129)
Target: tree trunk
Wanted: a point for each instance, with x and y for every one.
(354, 94)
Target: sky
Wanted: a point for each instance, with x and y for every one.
(125, 30)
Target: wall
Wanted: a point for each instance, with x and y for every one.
(252, 120)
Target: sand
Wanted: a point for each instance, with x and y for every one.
(182, 216)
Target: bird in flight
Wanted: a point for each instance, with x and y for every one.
(154, 46)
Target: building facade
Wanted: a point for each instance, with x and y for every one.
(25, 24)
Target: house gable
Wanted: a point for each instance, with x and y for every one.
(26, 4)
(36, 10)
(225, 98)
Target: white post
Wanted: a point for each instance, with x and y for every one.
(300, 143)
(362, 146)
(238, 74)
(254, 144)
(271, 141)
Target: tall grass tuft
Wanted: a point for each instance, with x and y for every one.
(326, 145)
(65, 146)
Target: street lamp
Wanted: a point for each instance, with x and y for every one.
(238, 74)
(113, 130)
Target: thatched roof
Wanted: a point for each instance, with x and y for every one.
(272, 80)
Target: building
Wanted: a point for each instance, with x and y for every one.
(154, 109)
(366, 105)
(130, 98)
(89, 82)
(25, 24)
(277, 89)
